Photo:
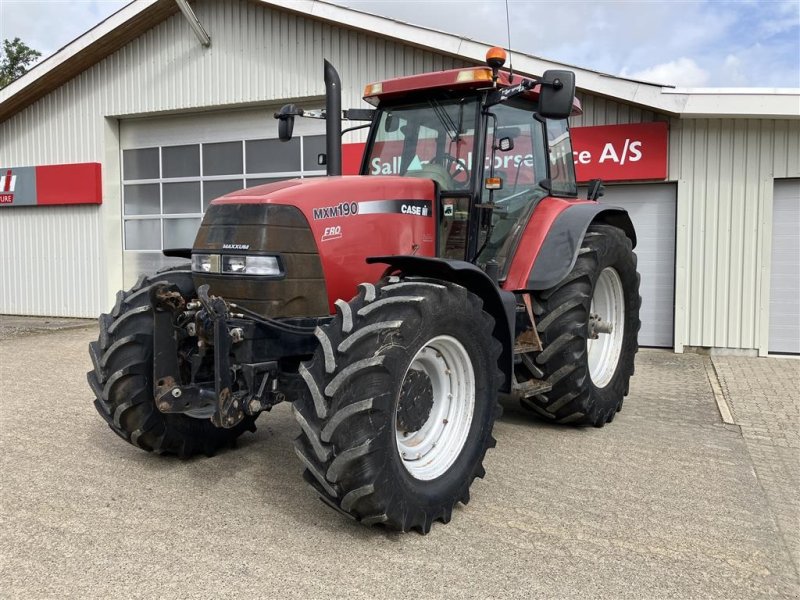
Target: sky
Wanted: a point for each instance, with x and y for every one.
(691, 43)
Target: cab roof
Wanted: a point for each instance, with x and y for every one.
(471, 78)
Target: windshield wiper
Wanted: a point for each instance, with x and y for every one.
(444, 118)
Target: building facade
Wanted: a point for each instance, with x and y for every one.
(174, 123)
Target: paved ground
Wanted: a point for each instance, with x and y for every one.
(764, 397)
(16, 326)
(667, 502)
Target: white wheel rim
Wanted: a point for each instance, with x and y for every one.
(603, 347)
(431, 450)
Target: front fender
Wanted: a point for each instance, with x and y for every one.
(550, 244)
(501, 305)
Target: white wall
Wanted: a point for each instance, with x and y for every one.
(258, 56)
(725, 170)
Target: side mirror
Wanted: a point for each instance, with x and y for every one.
(557, 93)
(285, 118)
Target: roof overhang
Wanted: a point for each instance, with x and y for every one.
(718, 103)
(659, 98)
(122, 27)
(141, 15)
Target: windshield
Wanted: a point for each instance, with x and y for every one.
(433, 139)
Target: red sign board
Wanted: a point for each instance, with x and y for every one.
(69, 184)
(51, 185)
(632, 152)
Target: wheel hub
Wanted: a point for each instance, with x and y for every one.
(416, 401)
(597, 326)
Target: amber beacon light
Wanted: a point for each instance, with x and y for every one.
(495, 58)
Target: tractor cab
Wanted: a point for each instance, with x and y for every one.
(479, 134)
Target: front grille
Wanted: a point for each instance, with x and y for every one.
(266, 229)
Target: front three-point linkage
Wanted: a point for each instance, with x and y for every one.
(206, 320)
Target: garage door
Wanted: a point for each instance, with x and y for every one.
(784, 297)
(652, 210)
(172, 167)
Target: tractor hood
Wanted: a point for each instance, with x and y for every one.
(327, 192)
(340, 220)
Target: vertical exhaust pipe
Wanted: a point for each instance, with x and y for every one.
(333, 120)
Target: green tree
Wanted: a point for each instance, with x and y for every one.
(15, 57)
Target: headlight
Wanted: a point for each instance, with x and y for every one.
(262, 265)
(205, 263)
(236, 264)
(233, 264)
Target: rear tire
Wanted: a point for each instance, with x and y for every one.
(401, 403)
(122, 378)
(590, 378)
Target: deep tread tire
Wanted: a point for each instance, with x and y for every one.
(122, 378)
(562, 317)
(347, 441)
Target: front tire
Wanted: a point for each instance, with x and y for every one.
(401, 403)
(122, 378)
(589, 366)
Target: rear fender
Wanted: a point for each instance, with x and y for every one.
(501, 305)
(559, 249)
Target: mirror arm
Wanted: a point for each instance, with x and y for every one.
(353, 114)
(498, 96)
(314, 114)
(359, 114)
(355, 127)
(285, 114)
(556, 84)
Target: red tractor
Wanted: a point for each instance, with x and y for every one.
(390, 308)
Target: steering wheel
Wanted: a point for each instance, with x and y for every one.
(456, 168)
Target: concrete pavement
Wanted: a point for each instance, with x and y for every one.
(764, 396)
(666, 502)
(17, 326)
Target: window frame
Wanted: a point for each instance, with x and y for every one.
(202, 178)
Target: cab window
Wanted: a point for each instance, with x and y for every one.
(520, 169)
(562, 165)
(432, 140)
